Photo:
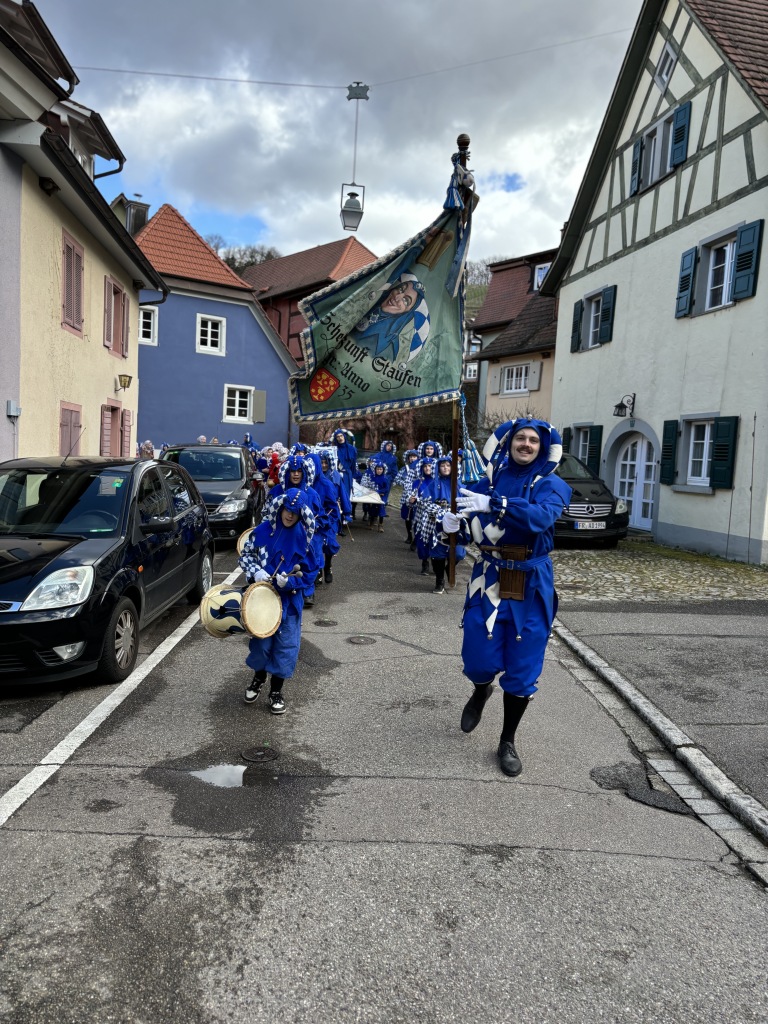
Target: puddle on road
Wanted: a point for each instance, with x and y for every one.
(225, 776)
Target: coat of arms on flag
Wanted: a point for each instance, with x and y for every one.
(322, 386)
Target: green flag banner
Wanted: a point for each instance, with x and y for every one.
(388, 336)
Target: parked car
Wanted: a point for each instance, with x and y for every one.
(91, 551)
(594, 514)
(226, 475)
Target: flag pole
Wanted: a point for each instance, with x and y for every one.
(462, 143)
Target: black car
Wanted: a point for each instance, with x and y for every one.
(92, 550)
(594, 514)
(226, 475)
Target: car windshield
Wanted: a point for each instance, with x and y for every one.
(571, 469)
(83, 500)
(202, 465)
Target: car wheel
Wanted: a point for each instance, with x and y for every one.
(121, 642)
(204, 580)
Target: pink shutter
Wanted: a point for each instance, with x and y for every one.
(105, 443)
(126, 321)
(65, 431)
(67, 305)
(125, 434)
(108, 305)
(77, 288)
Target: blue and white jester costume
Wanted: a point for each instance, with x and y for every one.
(438, 501)
(346, 453)
(299, 464)
(274, 551)
(328, 526)
(388, 455)
(516, 505)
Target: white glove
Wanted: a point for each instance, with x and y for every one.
(451, 522)
(472, 502)
(259, 575)
(281, 579)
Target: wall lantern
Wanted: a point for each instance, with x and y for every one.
(124, 382)
(625, 405)
(49, 186)
(352, 206)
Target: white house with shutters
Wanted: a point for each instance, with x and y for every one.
(661, 362)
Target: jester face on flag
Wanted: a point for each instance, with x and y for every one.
(389, 336)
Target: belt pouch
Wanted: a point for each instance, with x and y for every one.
(512, 581)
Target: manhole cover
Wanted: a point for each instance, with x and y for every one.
(259, 755)
(378, 616)
(361, 640)
(326, 622)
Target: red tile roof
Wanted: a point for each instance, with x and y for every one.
(740, 27)
(308, 270)
(509, 290)
(175, 249)
(533, 329)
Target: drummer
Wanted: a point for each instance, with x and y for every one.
(298, 472)
(278, 550)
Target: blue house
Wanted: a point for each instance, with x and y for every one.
(210, 361)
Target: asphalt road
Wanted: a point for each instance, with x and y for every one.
(380, 868)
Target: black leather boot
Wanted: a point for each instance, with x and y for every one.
(514, 709)
(473, 709)
(327, 572)
(438, 564)
(409, 532)
(425, 567)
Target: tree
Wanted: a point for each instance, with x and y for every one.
(238, 257)
(216, 242)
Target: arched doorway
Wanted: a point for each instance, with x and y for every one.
(636, 479)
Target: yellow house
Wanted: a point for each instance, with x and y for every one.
(69, 271)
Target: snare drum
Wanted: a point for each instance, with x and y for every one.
(262, 610)
(242, 539)
(220, 611)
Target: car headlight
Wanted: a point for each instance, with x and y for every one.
(61, 589)
(232, 507)
(621, 506)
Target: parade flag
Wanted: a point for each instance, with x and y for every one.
(389, 336)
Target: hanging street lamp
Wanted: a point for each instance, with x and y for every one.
(352, 205)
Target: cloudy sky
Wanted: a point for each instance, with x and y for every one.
(527, 80)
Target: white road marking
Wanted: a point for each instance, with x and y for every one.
(17, 795)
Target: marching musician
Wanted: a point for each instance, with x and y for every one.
(438, 500)
(278, 550)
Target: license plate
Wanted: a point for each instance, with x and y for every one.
(582, 524)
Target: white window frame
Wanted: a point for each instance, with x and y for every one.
(243, 388)
(509, 385)
(728, 248)
(154, 314)
(705, 458)
(539, 273)
(593, 305)
(657, 151)
(582, 443)
(470, 371)
(203, 344)
(665, 67)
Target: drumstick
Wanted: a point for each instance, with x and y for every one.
(277, 570)
(349, 531)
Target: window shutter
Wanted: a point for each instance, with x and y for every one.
(578, 316)
(747, 258)
(634, 177)
(65, 430)
(107, 314)
(681, 123)
(607, 308)
(125, 434)
(668, 452)
(105, 442)
(495, 386)
(534, 375)
(726, 429)
(77, 288)
(594, 448)
(67, 299)
(126, 322)
(685, 283)
(259, 411)
(567, 436)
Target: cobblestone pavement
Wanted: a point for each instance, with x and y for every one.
(643, 571)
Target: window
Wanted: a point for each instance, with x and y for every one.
(592, 324)
(720, 270)
(700, 452)
(657, 152)
(148, 325)
(238, 404)
(662, 147)
(152, 501)
(665, 67)
(515, 379)
(180, 496)
(72, 286)
(582, 443)
(594, 306)
(470, 371)
(211, 334)
(116, 306)
(539, 273)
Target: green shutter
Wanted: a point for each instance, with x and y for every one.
(594, 448)
(634, 180)
(567, 435)
(607, 308)
(725, 432)
(578, 316)
(685, 283)
(746, 260)
(681, 123)
(668, 452)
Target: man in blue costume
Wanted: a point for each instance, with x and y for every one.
(405, 479)
(328, 526)
(278, 550)
(388, 455)
(511, 600)
(438, 499)
(346, 454)
(376, 478)
(423, 529)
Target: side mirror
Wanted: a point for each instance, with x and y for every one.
(157, 524)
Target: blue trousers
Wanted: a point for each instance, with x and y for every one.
(519, 661)
(277, 654)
